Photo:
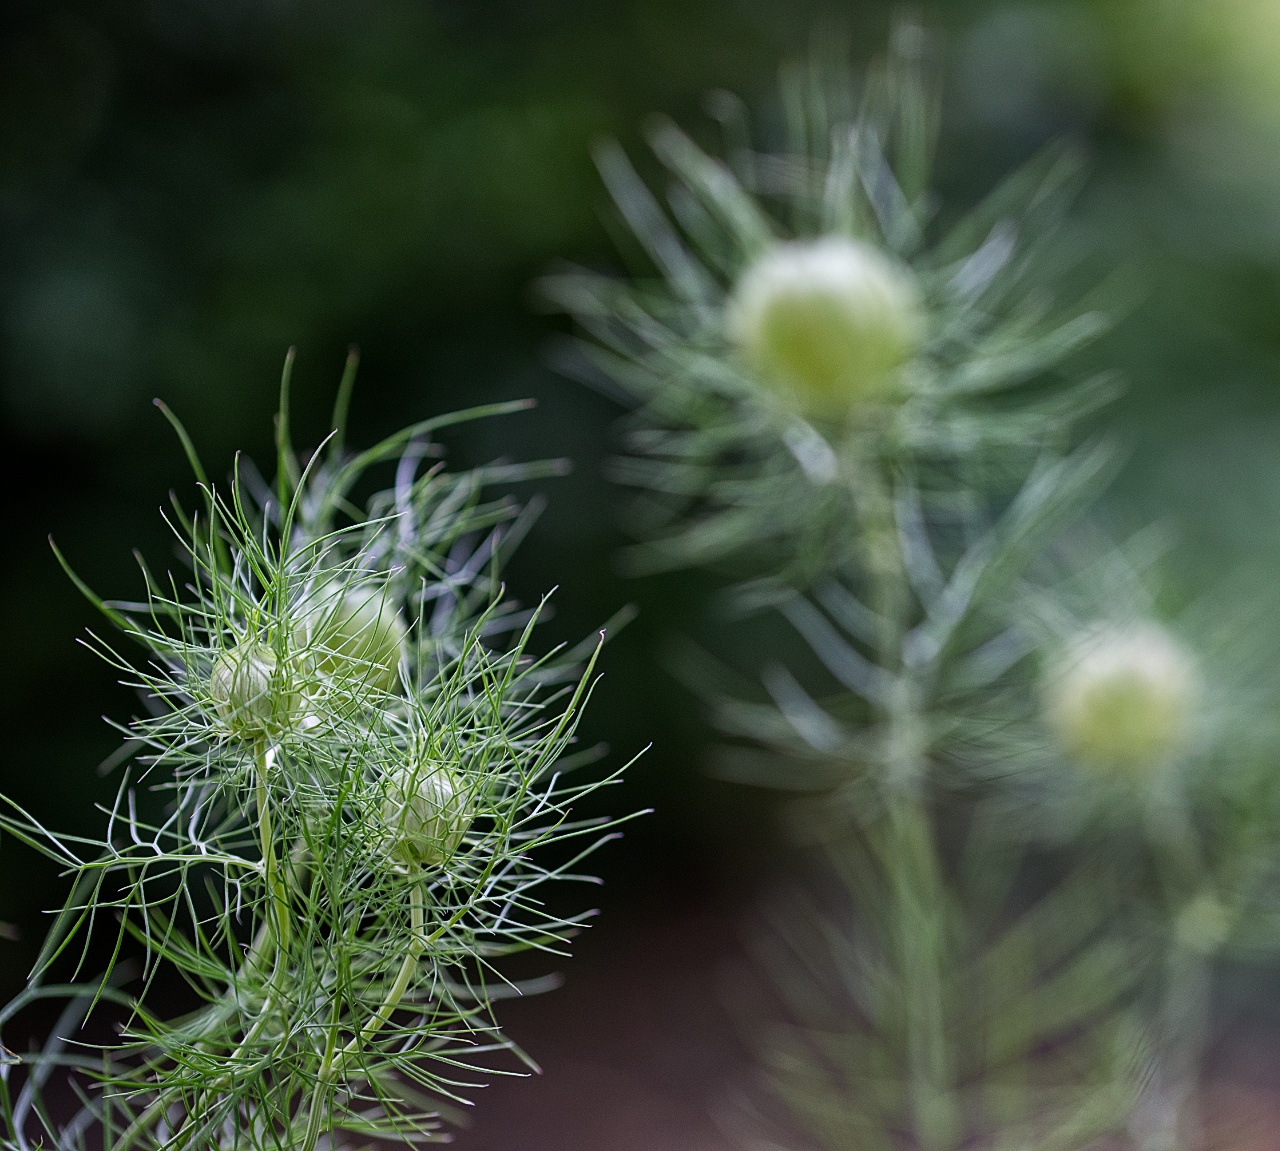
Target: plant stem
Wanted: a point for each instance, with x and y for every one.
(918, 905)
(271, 940)
(271, 865)
(1167, 1118)
(913, 871)
(320, 1096)
(263, 945)
(403, 977)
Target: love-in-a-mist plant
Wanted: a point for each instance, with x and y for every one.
(870, 421)
(1150, 746)
(809, 334)
(354, 787)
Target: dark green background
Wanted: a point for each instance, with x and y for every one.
(187, 187)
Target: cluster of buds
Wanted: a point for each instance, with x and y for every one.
(827, 322)
(354, 636)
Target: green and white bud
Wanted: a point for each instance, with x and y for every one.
(828, 321)
(356, 634)
(1121, 697)
(1204, 924)
(249, 693)
(425, 813)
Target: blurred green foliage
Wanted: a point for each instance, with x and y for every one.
(187, 187)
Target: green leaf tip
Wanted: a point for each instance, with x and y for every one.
(342, 402)
(286, 462)
(188, 446)
(85, 590)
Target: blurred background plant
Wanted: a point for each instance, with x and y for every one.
(188, 187)
(863, 413)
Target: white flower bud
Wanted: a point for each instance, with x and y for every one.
(827, 320)
(1203, 924)
(425, 813)
(248, 693)
(1121, 697)
(357, 634)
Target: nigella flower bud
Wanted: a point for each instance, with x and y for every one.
(1203, 924)
(425, 813)
(827, 320)
(357, 634)
(1121, 697)
(247, 692)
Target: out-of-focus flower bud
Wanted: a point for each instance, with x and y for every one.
(1203, 924)
(826, 320)
(1121, 697)
(425, 813)
(356, 634)
(248, 693)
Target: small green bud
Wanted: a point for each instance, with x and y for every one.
(1203, 924)
(357, 634)
(828, 320)
(248, 693)
(1121, 697)
(425, 813)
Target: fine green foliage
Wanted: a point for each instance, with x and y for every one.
(962, 999)
(357, 792)
(1028, 1052)
(1027, 790)
(732, 469)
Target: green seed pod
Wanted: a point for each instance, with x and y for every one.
(248, 692)
(425, 814)
(1120, 698)
(356, 634)
(826, 320)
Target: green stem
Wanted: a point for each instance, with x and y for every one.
(1168, 1118)
(263, 945)
(320, 1096)
(402, 980)
(913, 870)
(275, 885)
(271, 940)
(919, 915)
